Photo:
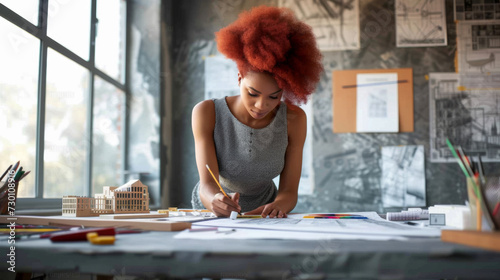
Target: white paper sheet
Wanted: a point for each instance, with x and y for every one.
(377, 103)
(374, 225)
(241, 233)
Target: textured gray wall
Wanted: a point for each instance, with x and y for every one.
(347, 167)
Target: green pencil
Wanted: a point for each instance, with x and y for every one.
(462, 166)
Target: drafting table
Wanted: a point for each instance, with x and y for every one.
(158, 254)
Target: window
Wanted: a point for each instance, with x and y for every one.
(19, 54)
(108, 123)
(66, 127)
(28, 9)
(63, 92)
(68, 23)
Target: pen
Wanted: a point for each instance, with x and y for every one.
(338, 218)
(225, 194)
(14, 168)
(19, 173)
(30, 229)
(376, 84)
(3, 175)
(202, 229)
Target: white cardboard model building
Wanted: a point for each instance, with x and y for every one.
(132, 197)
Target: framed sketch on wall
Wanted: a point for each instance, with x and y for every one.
(420, 23)
(334, 23)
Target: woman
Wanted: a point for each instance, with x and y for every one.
(249, 139)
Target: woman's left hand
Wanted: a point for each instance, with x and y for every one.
(273, 210)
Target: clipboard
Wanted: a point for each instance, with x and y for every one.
(344, 98)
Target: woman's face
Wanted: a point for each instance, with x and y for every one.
(260, 93)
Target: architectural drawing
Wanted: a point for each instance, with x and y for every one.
(350, 175)
(478, 47)
(403, 176)
(221, 80)
(377, 103)
(476, 10)
(466, 110)
(420, 23)
(132, 197)
(335, 23)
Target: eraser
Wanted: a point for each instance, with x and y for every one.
(233, 216)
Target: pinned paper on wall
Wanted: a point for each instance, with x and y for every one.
(465, 109)
(377, 103)
(420, 23)
(403, 176)
(478, 47)
(345, 102)
(335, 23)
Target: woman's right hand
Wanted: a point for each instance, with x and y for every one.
(222, 206)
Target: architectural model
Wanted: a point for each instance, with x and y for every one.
(132, 197)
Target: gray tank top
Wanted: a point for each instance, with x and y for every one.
(248, 158)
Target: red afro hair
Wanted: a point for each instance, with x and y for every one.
(273, 40)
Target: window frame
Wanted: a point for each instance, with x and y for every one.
(40, 32)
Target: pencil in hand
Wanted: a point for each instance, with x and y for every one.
(217, 181)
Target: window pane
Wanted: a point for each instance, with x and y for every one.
(66, 138)
(110, 40)
(69, 24)
(19, 56)
(109, 110)
(28, 9)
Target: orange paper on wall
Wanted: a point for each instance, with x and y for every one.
(344, 98)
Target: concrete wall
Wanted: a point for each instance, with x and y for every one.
(338, 159)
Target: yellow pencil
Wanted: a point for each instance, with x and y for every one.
(225, 194)
(249, 217)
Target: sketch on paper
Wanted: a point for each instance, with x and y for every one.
(420, 23)
(377, 103)
(476, 10)
(403, 176)
(335, 23)
(221, 79)
(478, 46)
(465, 109)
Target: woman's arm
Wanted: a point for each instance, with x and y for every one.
(203, 123)
(290, 176)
